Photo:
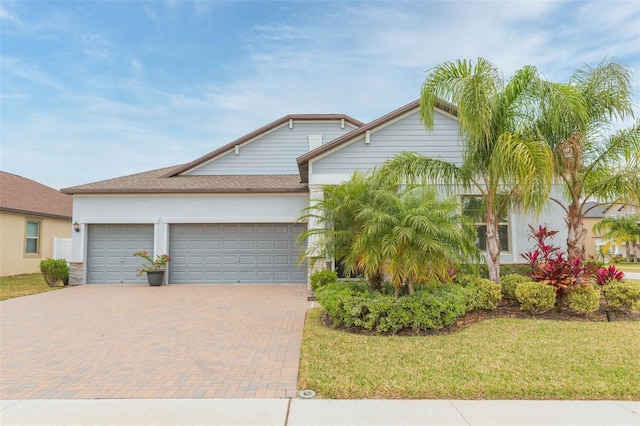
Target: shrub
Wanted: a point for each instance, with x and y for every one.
(548, 265)
(322, 278)
(356, 305)
(535, 297)
(486, 293)
(514, 268)
(622, 296)
(584, 300)
(54, 271)
(509, 283)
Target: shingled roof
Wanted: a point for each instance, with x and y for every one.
(24, 195)
(157, 181)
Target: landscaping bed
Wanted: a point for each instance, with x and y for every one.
(505, 309)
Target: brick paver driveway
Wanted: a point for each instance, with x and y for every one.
(137, 341)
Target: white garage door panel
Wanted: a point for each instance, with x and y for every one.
(110, 251)
(236, 253)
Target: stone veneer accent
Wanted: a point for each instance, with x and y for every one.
(76, 273)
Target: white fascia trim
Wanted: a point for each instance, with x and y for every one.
(117, 220)
(217, 219)
(362, 137)
(328, 179)
(232, 151)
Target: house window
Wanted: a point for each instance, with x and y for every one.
(32, 243)
(475, 207)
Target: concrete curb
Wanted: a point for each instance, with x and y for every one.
(296, 412)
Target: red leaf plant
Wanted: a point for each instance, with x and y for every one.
(549, 265)
(606, 275)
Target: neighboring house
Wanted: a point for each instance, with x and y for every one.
(228, 217)
(594, 215)
(32, 215)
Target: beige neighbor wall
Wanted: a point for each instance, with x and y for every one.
(591, 238)
(13, 260)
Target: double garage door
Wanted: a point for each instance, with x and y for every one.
(201, 253)
(236, 253)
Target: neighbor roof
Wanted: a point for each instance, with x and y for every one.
(591, 209)
(24, 195)
(279, 122)
(303, 160)
(157, 181)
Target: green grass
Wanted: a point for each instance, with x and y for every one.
(628, 267)
(494, 359)
(23, 285)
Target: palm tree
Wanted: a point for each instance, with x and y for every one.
(412, 237)
(590, 160)
(333, 222)
(623, 230)
(507, 167)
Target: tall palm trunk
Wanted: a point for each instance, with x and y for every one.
(627, 249)
(493, 247)
(576, 233)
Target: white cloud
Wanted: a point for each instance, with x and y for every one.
(97, 46)
(6, 16)
(24, 70)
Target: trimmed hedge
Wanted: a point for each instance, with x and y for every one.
(584, 300)
(353, 304)
(535, 297)
(322, 278)
(509, 283)
(621, 296)
(487, 294)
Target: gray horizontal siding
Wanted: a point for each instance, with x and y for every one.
(274, 153)
(407, 134)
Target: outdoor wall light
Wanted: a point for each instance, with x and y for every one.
(76, 227)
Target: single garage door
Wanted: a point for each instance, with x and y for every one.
(236, 253)
(110, 252)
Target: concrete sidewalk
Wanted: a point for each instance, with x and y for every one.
(296, 412)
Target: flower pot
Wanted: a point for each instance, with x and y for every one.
(155, 278)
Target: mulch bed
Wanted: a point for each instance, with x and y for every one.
(506, 309)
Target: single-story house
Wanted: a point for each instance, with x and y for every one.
(229, 216)
(32, 217)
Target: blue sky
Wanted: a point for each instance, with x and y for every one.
(92, 90)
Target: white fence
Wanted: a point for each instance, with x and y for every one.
(61, 248)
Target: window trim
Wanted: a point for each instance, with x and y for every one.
(506, 250)
(38, 252)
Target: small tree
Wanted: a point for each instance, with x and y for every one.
(333, 222)
(412, 237)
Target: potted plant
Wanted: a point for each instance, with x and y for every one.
(155, 269)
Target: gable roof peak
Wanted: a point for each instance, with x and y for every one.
(264, 129)
(303, 160)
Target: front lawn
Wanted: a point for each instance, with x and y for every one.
(494, 359)
(628, 267)
(23, 285)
